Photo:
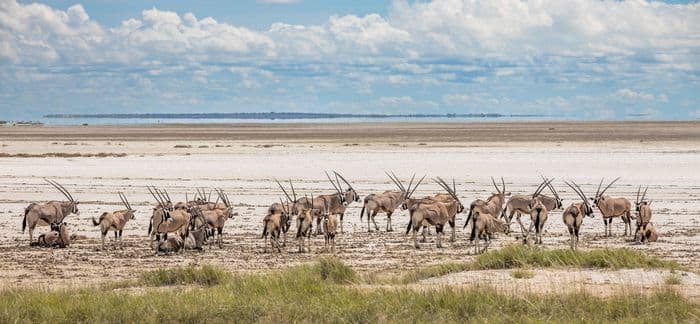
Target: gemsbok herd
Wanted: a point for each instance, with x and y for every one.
(191, 224)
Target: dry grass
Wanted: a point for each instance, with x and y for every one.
(321, 293)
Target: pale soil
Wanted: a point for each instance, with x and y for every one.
(243, 164)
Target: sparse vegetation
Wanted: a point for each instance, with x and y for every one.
(516, 256)
(522, 274)
(319, 293)
(672, 279)
(206, 275)
(182, 146)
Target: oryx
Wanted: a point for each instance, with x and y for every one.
(52, 212)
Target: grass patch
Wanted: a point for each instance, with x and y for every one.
(206, 276)
(312, 293)
(516, 256)
(672, 280)
(522, 274)
(431, 271)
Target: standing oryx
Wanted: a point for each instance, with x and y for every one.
(305, 224)
(484, 226)
(114, 221)
(493, 205)
(573, 215)
(450, 200)
(167, 219)
(349, 196)
(613, 207)
(427, 212)
(645, 229)
(385, 202)
(216, 218)
(532, 200)
(336, 203)
(52, 212)
(330, 228)
(274, 225)
(518, 204)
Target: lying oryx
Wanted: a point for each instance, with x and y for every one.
(52, 212)
(114, 221)
(58, 237)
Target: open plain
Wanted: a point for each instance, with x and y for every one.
(95, 162)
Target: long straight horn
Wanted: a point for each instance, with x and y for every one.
(495, 186)
(294, 193)
(124, 201)
(576, 191)
(597, 191)
(639, 190)
(416, 186)
(551, 188)
(284, 206)
(585, 199)
(332, 183)
(167, 195)
(60, 189)
(66, 192)
(285, 191)
(154, 196)
(608, 186)
(539, 188)
(344, 180)
(504, 185)
(399, 183)
(413, 177)
(644, 195)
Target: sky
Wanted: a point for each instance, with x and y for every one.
(578, 59)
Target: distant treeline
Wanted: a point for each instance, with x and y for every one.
(281, 115)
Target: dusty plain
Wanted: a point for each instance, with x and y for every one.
(243, 159)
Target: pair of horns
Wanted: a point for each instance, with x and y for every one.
(125, 201)
(446, 186)
(599, 193)
(60, 188)
(496, 186)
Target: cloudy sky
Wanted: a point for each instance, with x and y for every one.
(586, 59)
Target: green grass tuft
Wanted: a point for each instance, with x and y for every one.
(522, 274)
(518, 256)
(672, 280)
(333, 270)
(205, 275)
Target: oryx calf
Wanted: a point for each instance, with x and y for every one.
(330, 228)
(58, 237)
(484, 226)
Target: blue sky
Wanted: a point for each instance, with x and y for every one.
(581, 59)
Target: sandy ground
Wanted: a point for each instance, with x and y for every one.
(663, 156)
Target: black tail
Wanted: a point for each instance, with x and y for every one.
(362, 212)
(24, 221)
(150, 227)
(472, 236)
(469, 216)
(264, 233)
(537, 220)
(410, 221)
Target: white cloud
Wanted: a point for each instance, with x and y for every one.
(634, 95)
(396, 101)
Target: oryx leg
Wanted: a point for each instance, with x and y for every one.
(415, 237)
(522, 227)
(438, 235)
(452, 224)
(376, 227)
(369, 215)
(341, 223)
(424, 239)
(388, 222)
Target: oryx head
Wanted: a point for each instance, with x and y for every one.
(408, 192)
(599, 195)
(640, 201)
(587, 208)
(452, 191)
(337, 186)
(350, 194)
(70, 206)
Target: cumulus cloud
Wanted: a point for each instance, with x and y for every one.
(449, 49)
